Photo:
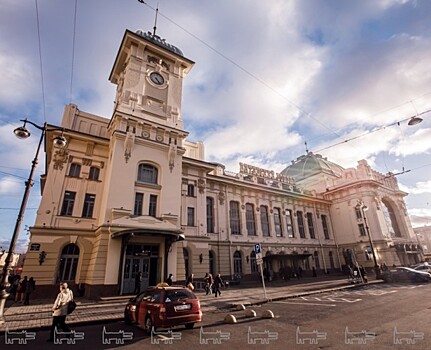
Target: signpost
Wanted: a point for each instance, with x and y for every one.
(259, 261)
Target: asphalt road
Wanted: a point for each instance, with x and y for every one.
(384, 316)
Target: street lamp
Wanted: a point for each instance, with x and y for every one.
(364, 208)
(23, 133)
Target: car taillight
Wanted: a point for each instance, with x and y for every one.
(132, 308)
(162, 312)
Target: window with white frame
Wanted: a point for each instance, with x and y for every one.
(249, 219)
(264, 220)
(234, 218)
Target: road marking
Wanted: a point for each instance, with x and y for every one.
(329, 298)
(291, 302)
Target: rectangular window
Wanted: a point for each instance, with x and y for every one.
(362, 231)
(68, 202)
(289, 224)
(264, 220)
(139, 204)
(190, 216)
(235, 227)
(190, 190)
(277, 223)
(210, 215)
(75, 170)
(87, 211)
(94, 173)
(300, 220)
(310, 225)
(152, 209)
(358, 213)
(325, 226)
(249, 219)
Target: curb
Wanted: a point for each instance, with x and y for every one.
(300, 294)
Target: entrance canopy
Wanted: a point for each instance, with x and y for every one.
(291, 255)
(175, 235)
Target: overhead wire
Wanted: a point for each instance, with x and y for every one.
(252, 75)
(264, 83)
(40, 61)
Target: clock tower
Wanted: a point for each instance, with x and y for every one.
(149, 72)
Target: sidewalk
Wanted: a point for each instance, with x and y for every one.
(39, 314)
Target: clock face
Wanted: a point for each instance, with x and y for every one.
(157, 78)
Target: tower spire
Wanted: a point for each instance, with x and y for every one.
(155, 20)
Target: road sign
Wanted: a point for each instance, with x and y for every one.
(259, 256)
(257, 248)
(259, 261)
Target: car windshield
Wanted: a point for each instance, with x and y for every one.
(179, 294)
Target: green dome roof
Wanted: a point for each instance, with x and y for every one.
(309, 165)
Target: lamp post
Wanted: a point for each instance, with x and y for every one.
(23, 133)
(364, 208)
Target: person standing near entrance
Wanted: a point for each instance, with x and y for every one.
(138, 279)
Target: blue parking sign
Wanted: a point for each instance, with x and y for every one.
(257, 248)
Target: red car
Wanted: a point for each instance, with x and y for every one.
(163, 307)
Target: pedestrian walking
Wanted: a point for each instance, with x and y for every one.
(59, 311)
(209, 281)
(363, 274)
(20, 292)
(29, 289)
(218, 282)
(189, 282)
(138, 279)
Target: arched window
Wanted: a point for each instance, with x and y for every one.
(211, 262)
(68, 263)
(210, 215)
(75, 170)
(147, 173)
(391, 219)
(186, 262)
(237, 263)
(249, 219)
(331, 260)
(93, 174)
(234, 216)
(253, 264)
(316, 260)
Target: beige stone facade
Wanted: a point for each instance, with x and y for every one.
(131, 195)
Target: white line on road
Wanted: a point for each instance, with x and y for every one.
(291, 302)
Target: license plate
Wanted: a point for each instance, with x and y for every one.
(182, 307)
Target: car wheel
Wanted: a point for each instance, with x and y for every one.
(190, 325)
(127, 319)
(148, 325)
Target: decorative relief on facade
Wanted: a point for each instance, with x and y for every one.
(221, 197)
(60, 157)
(160, 135)
(90, 149)
(128, 145)
(201, 185)
(86, 161)
(171, 155)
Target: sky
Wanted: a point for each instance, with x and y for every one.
(272, 79)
